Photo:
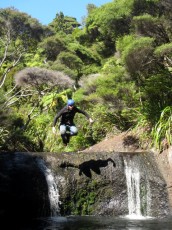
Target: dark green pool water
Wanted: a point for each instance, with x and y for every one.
(98, 223)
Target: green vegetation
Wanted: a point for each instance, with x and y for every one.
(82, 202)
(117, 66)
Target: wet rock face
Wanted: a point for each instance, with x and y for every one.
(89, 184)
(96, 183)
(23, 188)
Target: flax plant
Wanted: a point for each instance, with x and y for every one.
(163, 130)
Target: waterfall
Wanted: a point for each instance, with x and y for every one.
(52, 188)
(139, 199)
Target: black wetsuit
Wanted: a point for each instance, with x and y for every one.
(67, 115)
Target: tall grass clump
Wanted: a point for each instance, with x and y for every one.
(163, 130)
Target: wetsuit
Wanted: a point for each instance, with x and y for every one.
(66, 123)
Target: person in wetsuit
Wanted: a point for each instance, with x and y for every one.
(67, 126)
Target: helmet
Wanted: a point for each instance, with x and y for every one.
(70, 102)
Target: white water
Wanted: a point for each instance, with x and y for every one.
(133, 188)
(52, 188)
(133, 177)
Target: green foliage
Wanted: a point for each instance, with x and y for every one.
(112, 65)
(19, 34)
(132, 47)
(104, 122)
(52, 46)
(113, 89)
(34, 59)
(54, 99)
(4, 133)
(107, 23)
(120, 59)
(64, 24)
(71, 61)
(83, 140)
(165, 49)
(157, 95)
(147, 25)
(82, 202)
(162, 131)
(124, 42)
(147, 6)
(136, 45)
(138, 57)
(13, 134)
(25, 30)
(108, 17)
(84, 53)
(140, 22)
(110, 12)
(57, 65)
(38, 130)
(80, 36)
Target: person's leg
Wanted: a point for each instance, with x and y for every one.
(63, 134)
(73, 130)
(62, 129)
(68, 138)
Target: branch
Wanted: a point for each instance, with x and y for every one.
(6, 47)
(9, 102)
(168, 60)
(15, 63)
(29, 119)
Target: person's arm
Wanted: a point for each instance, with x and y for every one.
(86, 114)
(56, 118)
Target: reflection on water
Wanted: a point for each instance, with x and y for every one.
(98, 223)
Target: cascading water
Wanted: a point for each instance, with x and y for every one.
(133, 188)
(52, 187)
(138, 191)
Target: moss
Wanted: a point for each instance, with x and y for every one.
(81, 200)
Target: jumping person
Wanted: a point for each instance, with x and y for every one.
(67, 126)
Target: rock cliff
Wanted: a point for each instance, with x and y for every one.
(91, 183)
